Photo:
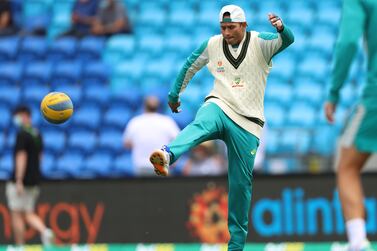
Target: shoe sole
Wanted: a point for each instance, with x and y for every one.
(157, 160)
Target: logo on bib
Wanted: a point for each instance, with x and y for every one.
(220, 67)
(237, 82)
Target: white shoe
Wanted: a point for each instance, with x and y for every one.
(160, 160)
(48, 237)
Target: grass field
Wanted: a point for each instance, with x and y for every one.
(297, 246)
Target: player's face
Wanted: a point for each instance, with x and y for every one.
(233, 33)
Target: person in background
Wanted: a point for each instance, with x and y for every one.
(359, 138)
(82, 18)
(144, 133)
(22, 190)
(205, 160)
(111, 19)
(7, 26)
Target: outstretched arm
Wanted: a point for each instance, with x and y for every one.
(193, 64)
(273, 43)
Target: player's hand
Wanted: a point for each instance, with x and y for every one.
(174, 106)
(330, 109)
(276, 21)
(19, 187)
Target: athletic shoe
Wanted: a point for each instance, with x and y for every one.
(48, 237)
(160, 160)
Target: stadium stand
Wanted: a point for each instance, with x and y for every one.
(107, 79)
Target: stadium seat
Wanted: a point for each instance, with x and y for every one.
(278, 91)
(275, 114)
(119, 47)
(127, 73)
(304, 9)
(50, 169)
(54, 140)
(295, 141)
(181, 13)
(98, 94)
(8, 48)
(111, 140)
(32, 49)
(284, 67)
(302, 115)
(162, 68)
(73, 164)
(84, 141)
(37, 73)
(309, 90)
(314, 66)
(117, 117)
(100, 164)
(66, 72)
(6, 98)
(322, 39)
(152, 43)
(62, 49)
(5, 115)
(148, 17)
(6, 166)
(180, 44)
(129, 97)
(272, 139)
(11, 73)
(88, 116)
(123, 165)
(95, 73)
(90, 48)
(324, 140)
(185, 117)
(34, 94)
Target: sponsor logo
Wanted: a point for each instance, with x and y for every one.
(237, 82)
(220, 67)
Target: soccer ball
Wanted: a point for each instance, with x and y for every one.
(56, 107)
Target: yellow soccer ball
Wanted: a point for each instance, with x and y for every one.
(56, 107)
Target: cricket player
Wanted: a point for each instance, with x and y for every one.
(240, 61)
(359, 138)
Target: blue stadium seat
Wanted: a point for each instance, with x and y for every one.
(324, 140)
(98, 94)
(305, 10)
(34, 94)
(111, 140)
(127, 73)
(152, 43)
(314, 66)
(123, 165)
(84, 141)
(11, 73)
(275, 113)
(5, 115)
(182, 14)
(6, 166)
(8, 48)
(100, 164)
(73, 164)
(117, 117)
(147, 15)
(2, 142)
(155, 67)
(95, 73)
(90, 48)
(302, 114)
(272, 140)
(87, 116)
(62, 49)
(9, 95)
(349, 95)
(54, 140)
(296, 141)
(119, 47)
(180, 44)
(284, 67)
(185, 117)
(330, 12)
(32, 49)
(310, 91)
(37, 73)
(278, 91)
(66, 72)
(130, 98)
(50, 169)
(322, 39)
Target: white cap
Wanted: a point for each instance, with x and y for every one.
(237, 14)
